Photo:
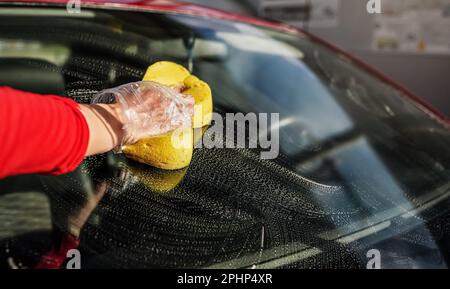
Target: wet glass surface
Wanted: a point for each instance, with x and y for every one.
(360, 166)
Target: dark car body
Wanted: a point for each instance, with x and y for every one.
(364, 165)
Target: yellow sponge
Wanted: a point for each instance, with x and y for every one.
(167, 73)
(156, 180)
(170, 151)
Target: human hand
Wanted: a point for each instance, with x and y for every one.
(147, 109)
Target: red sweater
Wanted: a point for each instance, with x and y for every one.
(40, 134)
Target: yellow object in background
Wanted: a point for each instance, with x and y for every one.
(172, 152)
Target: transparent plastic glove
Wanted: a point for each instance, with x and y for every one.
(148, 109)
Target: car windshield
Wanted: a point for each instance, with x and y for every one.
(359, 162)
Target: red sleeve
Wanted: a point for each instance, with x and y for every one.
(40, 134)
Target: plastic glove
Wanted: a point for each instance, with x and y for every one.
(148, 109)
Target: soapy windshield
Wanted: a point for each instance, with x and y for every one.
(359, 163)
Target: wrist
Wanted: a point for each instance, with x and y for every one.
(105, 123)
(115, 120)
(116, 112)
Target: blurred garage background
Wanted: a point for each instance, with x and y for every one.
(409, 41)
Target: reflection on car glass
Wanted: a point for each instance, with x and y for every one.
(359, 88)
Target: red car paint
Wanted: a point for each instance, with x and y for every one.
(170, 6)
